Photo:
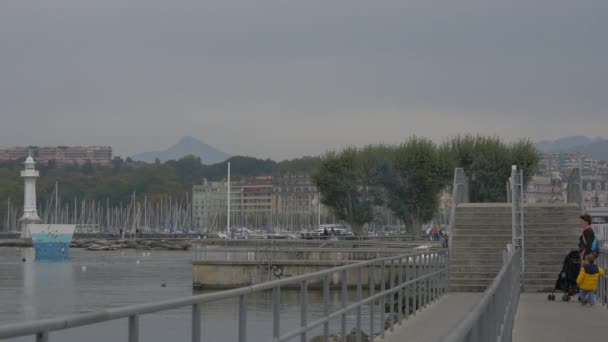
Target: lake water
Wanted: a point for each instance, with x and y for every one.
(33, 290)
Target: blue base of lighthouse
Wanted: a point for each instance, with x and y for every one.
(52, 242)
(52, 250)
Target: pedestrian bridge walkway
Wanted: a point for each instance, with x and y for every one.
(436, 321)
(538, 319)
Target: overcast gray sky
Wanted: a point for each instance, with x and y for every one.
(280, 78)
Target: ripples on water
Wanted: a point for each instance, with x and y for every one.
(33, 290)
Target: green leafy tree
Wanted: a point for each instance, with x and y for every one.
(345, 186)
(307, 165)
(189, 170)
(117, 165)
(413, 176)
(87, 168)
(487, 162)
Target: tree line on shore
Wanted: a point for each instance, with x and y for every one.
(409, 178)
(115, 183)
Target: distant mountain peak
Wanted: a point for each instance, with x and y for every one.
(187, 145)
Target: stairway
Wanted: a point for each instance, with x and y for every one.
(551, 231)
(483, 230)
(480, 236)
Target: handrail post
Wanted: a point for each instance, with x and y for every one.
(407, 288)
(242, 319)
(372, 290)
(276, 308)
(383, 300)
(134, 328)
(400, 297)
(344, 295)
(303, 309)
(415, 292)
(392, 298)
(428, 282)
(196, 323)
(359, 299)
(42, 336)
(326, 307)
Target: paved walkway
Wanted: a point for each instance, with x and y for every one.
(539, 320)
(436, 321)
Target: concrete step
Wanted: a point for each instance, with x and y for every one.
(467, 288)
(481, 237)
(548, 247)
(532, 268)
(485, 216)
(490, 250)
(554, 207)
(551, 224)
(469, 284)
(481, 207)
(528, 274)
(553, 218)
(534, 236)
(505, 221)
(471, 281)
(545, 262)
(552, 228)
(467, 261)
(477, 244)
(563, 225)
(543, 257)
(475, 268)
(538, 216)
(481, 231)
(529, 243)
(462, 262)
(473, 275)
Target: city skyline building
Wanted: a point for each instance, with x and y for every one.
(101, 155)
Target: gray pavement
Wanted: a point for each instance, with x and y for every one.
(539, 320)
(436, 321)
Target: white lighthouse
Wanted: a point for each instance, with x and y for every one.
(30, 213)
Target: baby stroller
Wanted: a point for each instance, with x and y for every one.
(566, 281)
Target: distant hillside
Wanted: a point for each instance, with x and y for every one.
(597, 148)
(186, 146)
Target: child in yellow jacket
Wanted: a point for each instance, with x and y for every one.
(587, 280)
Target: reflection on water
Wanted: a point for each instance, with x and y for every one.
(44, 282)
(33, 290)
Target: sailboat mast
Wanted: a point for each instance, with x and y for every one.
(319, 216)
(8, 216)
(56, 200)
(228, 202)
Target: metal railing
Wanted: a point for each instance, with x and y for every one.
(517, 212)
(493, 317)
(406, 283)
(602, 289)
(460, 194)
(332, 241)
(302, 254)
(308, 251)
